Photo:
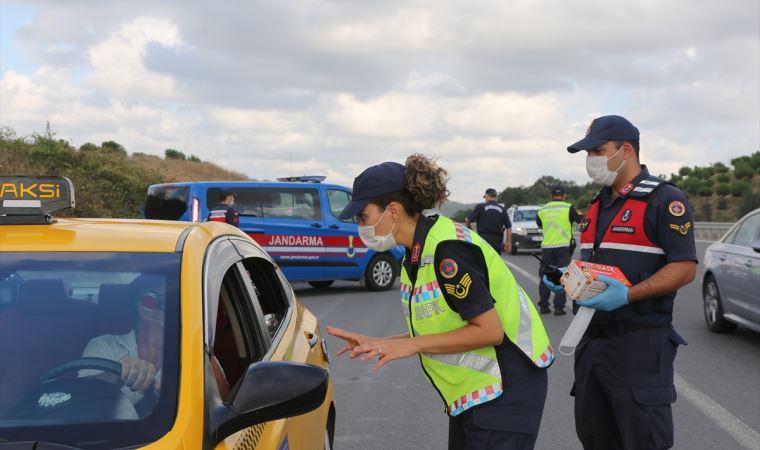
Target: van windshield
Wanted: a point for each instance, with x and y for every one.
(69, 322)
(166, 202)
(526, 215)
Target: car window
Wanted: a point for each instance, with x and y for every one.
(166, 202)
(237, 333)
(339, 199)
(291, 203)
(748, 231)
(58, 310)
(247, 200)
(270, 294)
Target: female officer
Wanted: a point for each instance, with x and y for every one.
(479, 339)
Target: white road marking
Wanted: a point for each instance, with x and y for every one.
(735, 427)
(744, 435)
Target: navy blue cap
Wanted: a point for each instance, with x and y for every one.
(373, 182)
(604, 129)
(226, 192)
(558, 190)
(491, 192)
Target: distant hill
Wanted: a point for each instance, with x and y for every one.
(107, 180)
(450, 208)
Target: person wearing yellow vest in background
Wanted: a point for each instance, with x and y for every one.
(556, 220)
(480, 341)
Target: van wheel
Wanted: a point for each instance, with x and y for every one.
(714, 308)
(321, 284)
(381, 272)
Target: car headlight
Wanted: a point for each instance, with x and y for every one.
(521, 230)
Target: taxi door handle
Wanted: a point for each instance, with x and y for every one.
(312, 339)
(334, 227)
(748, 263)
(316, 225)
(722, 257)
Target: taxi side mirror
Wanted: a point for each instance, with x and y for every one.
(269, 391)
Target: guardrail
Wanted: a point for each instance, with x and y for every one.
(711, 231)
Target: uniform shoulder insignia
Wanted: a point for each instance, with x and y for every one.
(676, 208)
(460, 290)
(448, 268)
(683, 229)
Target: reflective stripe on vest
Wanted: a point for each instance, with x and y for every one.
(469, 378)
(555, 221)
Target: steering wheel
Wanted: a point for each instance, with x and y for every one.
(106, 365)
(144, 406)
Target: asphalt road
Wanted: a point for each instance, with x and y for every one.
(717, 377)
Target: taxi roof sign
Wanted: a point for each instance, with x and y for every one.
(25, 199)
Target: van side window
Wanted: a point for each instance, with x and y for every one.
(247, 200)
(339, 199)
(291, 203)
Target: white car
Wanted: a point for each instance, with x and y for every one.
(526, 234)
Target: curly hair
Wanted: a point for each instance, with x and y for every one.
(425, 186)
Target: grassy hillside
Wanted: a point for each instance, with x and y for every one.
(108, 182)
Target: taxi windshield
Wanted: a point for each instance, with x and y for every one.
(89, 347)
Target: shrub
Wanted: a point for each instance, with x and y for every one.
(720, 167)
(170, 153)
(705, 191)
(722, 204)
(193, 158)
(723, 189)
(743, 169)
(684, 171)
(724, 178)
(113, 147)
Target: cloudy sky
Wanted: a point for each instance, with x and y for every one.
(495, 89)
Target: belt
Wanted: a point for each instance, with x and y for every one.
(605, 330)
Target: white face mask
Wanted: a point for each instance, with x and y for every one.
(377, 243)
(596, 167)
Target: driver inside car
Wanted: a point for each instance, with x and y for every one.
(140, 351)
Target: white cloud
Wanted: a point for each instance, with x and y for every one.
(496, 89)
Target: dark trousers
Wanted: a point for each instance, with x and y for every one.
(559, 257)
(510, 421)
(495, 240)
(624, 388)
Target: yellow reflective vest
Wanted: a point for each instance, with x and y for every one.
(556, 225)
(468, 379)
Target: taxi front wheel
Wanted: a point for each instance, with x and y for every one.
(381, 272)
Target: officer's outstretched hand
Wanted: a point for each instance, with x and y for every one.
(556, 288)
(353, 340)
(386, 350)
(615, 296)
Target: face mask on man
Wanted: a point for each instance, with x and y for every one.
(375, 242)
(596, 167)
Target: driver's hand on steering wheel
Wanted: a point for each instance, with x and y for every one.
(138, 374)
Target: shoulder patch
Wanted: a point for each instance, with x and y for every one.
(676, 208)
(448, 268)
(460, 290)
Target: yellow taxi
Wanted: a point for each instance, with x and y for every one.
(149, 334)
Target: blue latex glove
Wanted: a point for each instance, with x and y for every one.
(615, 296)
(556, 288)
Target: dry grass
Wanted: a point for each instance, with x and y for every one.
(174, 170)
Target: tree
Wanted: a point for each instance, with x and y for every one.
(720, 167)
(88, 147)
(738, 188)
(684, 171)
(193, 158)
(724, 178)
(113, 147)
(170, 153)
(743, 169)
(705, 191)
